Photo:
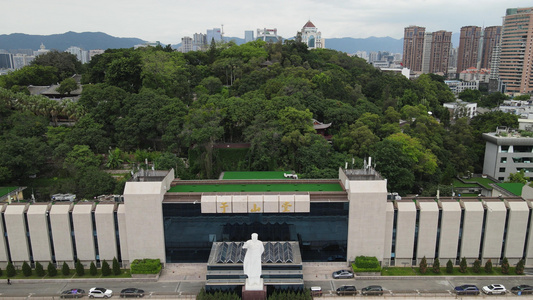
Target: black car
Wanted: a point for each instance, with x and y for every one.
(522, 289)
(72, 293)
(372, 290)
(131, 292)
(347, 290)
(466, 289)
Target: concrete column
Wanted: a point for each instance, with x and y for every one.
(105, 230)
(473, 223)
(494, 227)
(516, 231)
(61, 233)
(449, 230)
(122, 232)
(39, 233)
(405, 232)
(427, 230)
(83, 232)
(389, 222)
(16, 233)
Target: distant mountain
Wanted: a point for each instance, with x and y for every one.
(60, 42)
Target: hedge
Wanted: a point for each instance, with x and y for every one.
(366, 264)
(145, 266)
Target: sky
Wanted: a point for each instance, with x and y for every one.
(168, 21)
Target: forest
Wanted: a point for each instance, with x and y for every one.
(172, 109)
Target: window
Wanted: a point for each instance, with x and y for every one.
(504, 149)
(501, 178)
(503, 160)
(502, 169)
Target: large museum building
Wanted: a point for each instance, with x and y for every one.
(179, 221)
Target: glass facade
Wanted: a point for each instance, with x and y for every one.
(322, 233)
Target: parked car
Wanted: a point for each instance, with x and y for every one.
(467, 289)
(342, 274)
(372, 290)
(132, 292)
(347, 290)
(72, 293)
(522, 289)
(494, 289)
(97, 292)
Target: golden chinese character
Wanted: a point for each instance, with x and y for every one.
(286, 206)
(223, 206)
(255, 208)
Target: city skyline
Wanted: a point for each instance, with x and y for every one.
(168, 21)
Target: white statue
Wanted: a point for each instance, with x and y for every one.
(252, 263)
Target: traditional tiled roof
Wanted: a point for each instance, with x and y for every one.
(309, 24)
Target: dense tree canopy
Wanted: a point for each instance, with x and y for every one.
(174, 109)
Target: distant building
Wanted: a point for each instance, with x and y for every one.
(312, 37)
(186, 44)
(268, 35)
(491, 39)
(81, 55)
(94, 52)
(457, 86)
(248, 36)
(467, 55)
(426, 52)
(473, 74)
(413, 46)
(515, 66)
(460, 108)
(214, 34)
(22, 60)
(199, 41)
(42, 50)
(6, 61)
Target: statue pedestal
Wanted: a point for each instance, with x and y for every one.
(254, 294)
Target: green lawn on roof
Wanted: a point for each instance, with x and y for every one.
(277, 187)
(255, 175)
(483, 181)
(6, 190)
(514, 188)
(457, 183)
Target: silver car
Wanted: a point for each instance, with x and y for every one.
(342, 274)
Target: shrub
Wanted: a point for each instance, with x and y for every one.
(52, 271)
(366, 264)
(488, 267)
(423, 265)
(519, 267)
(477, 266)
(10, 270)
(449, 267)
(80, 271)
(26, 269)
(145, 266)
(116, 266)
(65, 269)
(436, 266)
(39, 270)
(505, 266)
(463, 265)
(92, 269)
(106, 271)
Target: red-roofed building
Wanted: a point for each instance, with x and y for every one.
(312, 37)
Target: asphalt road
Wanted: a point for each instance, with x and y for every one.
(395, 287)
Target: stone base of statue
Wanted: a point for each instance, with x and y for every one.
(255, 294)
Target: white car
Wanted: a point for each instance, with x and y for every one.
(97, 292)
(494, 289)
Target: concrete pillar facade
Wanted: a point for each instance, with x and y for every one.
(105, 231)
(83, 232)
(516, 231)
(427, 230)
(61, 233)
(494, 228)
(449, 230)
(16, 233)
(39, 233)
(473, 223)
(405, 232)
(389, 223)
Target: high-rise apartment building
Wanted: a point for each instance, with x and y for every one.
(413, 46)
(214, 34)
(467, 54)
(186, 44)
(490, 39)
(441, 43)
(248, 36)
(516, 44)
